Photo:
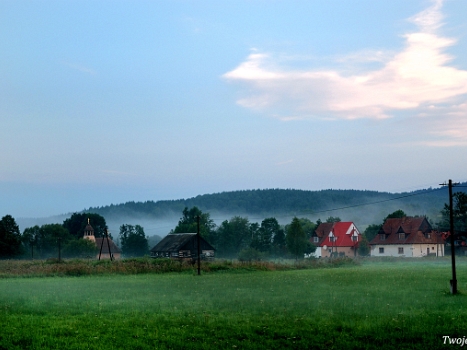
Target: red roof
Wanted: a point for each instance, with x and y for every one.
(407, 230)
(343, 231)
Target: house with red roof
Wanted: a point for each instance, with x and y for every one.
(407, 237)
(336, 238)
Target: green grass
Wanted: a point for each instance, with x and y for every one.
(400, 304)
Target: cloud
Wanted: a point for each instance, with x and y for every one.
(79, 68)
(417, 77)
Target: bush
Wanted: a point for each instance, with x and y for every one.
(250, 254)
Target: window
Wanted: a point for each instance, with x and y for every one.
(382, 237)
(315, 239)
(401, 250)
(355, 238)
(332, 239)
(381, 250)
(428, 235)
(401, 235)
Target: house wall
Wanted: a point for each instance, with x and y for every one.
(347, 251)
(410, 250)
(391, 250)
(316, 254)
(420, 250)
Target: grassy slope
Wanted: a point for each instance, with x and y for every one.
(378, 305)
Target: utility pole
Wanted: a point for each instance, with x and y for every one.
(199, 248)
(59, 249)
(451, 231)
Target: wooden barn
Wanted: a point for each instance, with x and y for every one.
(182, 245)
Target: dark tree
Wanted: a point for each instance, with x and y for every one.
(80, 248)
(364, 247)
(232, 236)
(459, 215)
(153, 240)
(264, 236)
(297, 243)
(371, 231)
(78, 221)
(397, 214)
(133, 240)
(308, 226)
(46, 238)
(10, 238)
(188, 223)
(333, 219)
(279, 245)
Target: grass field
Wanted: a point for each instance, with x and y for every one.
(402, 304)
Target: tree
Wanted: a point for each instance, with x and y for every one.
(234, 235)
(10, 238)
(398, 214)
(133, 240)
(80, 248)
(153, 240)
(46, 238)
(188, 223)
(279, 245)
(459, 215)
(265, 235)
(309, 227)
(371, 231)
(78, 221)
(297, 243)
(250, 254)
(333, 219)
(364, 246)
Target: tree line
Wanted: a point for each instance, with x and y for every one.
(270, 202)
(234, 238)
(66, 239)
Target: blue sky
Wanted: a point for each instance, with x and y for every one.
(111, 101)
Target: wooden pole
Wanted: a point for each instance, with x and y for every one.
(453, 254)
(199, 247)
(108, 244)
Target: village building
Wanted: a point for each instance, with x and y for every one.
(407, 237)
(336, 239)
(103, 244)
(182, 245)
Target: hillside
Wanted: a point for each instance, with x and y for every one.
(363, 207)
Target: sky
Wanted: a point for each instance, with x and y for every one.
(104, 102)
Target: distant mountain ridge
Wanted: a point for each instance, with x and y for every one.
(363, 207)
(285, 202)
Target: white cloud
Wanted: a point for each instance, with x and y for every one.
(414, 78)
(80, 68)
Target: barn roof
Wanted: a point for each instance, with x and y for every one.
(174, 241)
(105, 246)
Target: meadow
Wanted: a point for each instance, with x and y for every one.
(384, 304)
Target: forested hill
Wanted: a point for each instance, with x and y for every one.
(289, 202)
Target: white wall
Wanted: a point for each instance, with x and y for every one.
(415, 250)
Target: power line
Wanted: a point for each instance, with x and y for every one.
(377, 202)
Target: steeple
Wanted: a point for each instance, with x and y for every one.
(89, 232)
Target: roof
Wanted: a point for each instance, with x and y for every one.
(105, 247)
(413, 230)
(174, 242)
(343, 232)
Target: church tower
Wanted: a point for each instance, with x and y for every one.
(89, 232)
